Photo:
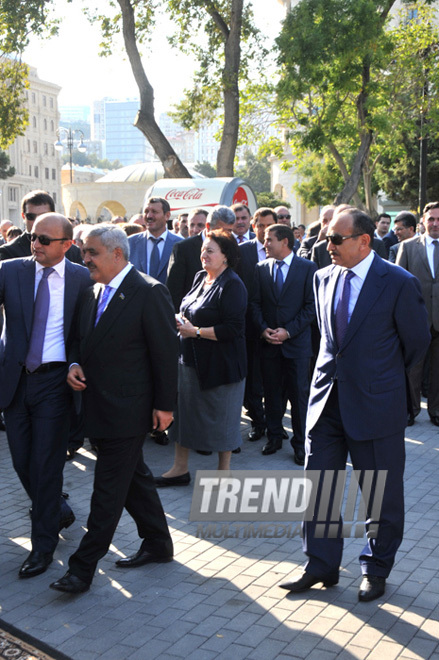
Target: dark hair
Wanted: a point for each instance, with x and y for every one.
(159, 200)
(429, 206)
(240, 207)
(383, 215)
(227, 244)
(13, 232)
(37, 198)
(283, 231)
(131, 229)
(262, 213)
(407, 219)
(314, 229)
(361, 223)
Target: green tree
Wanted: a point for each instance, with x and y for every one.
(93, 160)
(256, 171)
(334, 95)
(270, 200)
(206, 169)
(5, 170)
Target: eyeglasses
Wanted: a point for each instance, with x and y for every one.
(31, 216)
(337, 239)
(45, 240)
(283, 217)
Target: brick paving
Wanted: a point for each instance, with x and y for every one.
(219, 599)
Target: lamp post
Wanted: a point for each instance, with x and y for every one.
(70, 135)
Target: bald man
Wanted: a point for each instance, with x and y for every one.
(40, 294)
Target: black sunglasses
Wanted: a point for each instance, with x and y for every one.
(287, 217)
(31, 216)
(45, 240)
(337, 239)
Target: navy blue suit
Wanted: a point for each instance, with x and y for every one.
(288, 362)
(36, 406)
(357, 402)
(138, 253)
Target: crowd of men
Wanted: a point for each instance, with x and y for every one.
(328, 297)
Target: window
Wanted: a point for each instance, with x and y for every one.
(51, 102)
(46, 149)
(53, 175)
(30, 170)
(45, 124)
(36, 173)
(34, 98)
(46, 173)
(34, 121)
(44, 100)
(12, 194)
(52, 150)
(35, 143)
(28, 145)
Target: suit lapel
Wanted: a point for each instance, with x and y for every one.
(327, 302)
(71, 291)
(167, 249)
(26, 285)
(372, 288)
(143, 253)
(117, 305)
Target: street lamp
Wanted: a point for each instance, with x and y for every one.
(59, 145)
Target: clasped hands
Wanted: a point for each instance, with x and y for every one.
(277, 336)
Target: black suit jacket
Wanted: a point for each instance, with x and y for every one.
(20, 247)
(294, 310)
(222, 306)
(129, 358)
(306, 247)
(320, 255)
(248, 259)
(184, 264)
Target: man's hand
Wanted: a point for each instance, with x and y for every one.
(161, 419)
(76, 378)
(281, 335)
(270, 335)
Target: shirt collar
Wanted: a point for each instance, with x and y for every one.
(287, 261)
(58, 268)
(362, 268)
(164, 235)
(117, 281)
(429, 240)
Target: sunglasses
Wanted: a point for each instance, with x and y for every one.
(45, 240)
(284, 217)
(337, 239)
(31, 216)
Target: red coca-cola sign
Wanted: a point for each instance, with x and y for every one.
(240, 196)
(193, 193)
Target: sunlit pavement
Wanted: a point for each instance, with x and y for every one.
(220, 597)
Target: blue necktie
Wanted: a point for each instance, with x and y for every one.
(155, 257)
(41, 311)
(102, 303)
(342, 311)
(279, 279)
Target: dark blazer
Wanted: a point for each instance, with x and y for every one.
(20, 247)
(248, 259)
(17, 287)
(393, 252)
(388, 241)
(129, 358)
(306, 247)
(294, 310)
(413, 257)
(320, 254)
(223, 306)
(184, 264)
(387, 334)
(138, 255)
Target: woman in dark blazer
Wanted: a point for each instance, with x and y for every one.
(212, 361)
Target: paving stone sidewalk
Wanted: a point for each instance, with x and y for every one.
(220, 598)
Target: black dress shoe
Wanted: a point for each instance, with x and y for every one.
(141, 558)
(306, 582)
(70, 584)
(285, 435)
(236, 451)
(435, 420)
(271, 447)
(67, 521)
(256, 434)
(35, 564)
(410, 419)
(299, 457)
(181, 480)
(70, 454)
(371, 587)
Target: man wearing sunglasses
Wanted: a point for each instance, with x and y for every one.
(33, 205)
(39, 295)
(373, 325)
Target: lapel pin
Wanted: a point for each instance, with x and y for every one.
(121, 296)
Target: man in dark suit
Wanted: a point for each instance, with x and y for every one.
(151, 249)
(404, 228)
(308, 243)
(241, 230)
(33, 205)
(185, 260)
(251, 253)
(320, 255)
(420, 256)
(373, 324)
(40, 295)
(125, 363)
(283, 310)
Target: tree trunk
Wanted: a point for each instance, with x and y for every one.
(229, 140)
(145, 120)
(345, 174)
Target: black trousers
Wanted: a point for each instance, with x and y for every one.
(254, 389)
(122, 479)
(37, 426)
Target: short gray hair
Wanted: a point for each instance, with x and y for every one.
(111, 237)
(221, 214)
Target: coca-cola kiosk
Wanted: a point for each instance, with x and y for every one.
(187, 194)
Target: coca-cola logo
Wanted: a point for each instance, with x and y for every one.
(240, 196)
(193, 193)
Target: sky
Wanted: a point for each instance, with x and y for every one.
(71, 60)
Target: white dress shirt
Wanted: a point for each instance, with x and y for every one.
(430, 251)
(54, 349)
(115, 283)
(360, 271)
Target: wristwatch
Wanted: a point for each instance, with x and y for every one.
(198, 335)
